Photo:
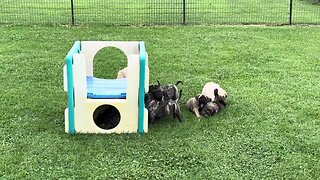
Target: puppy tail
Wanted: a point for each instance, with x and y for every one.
(179, 82)
(158, 83)
(180, 94)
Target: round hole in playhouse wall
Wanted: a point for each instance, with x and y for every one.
(108, 62)
(106, 117)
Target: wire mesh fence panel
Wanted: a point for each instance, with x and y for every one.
(237, 12)
(165, 12)
(159, 12)
(306, 12)
(35, 11)
(128, 12)
(111, 12)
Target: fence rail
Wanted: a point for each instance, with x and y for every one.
(159, 12)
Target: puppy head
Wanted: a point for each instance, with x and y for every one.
(158, 94)
(154, 86)
(156, 91)
(203, 100)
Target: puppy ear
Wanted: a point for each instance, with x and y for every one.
(223, 103)
(216, 92)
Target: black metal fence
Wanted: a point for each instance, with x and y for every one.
(158, 12)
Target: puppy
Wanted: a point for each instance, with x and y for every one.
(196, 104)
(165, 108)
(153, 87)
(156, 91)
(150, 101)
(206, 103)
(213, 107)
(158, 109)
(123, 73)
(208, 90)
(171, 91)
(166, 92)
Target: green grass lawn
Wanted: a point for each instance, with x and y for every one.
(270, 129)
(133, 12)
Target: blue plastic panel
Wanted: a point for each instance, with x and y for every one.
(76, 48)
(142, 92)
(106, 88)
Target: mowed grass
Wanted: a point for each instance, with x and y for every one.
(270, 129)
(135, 12)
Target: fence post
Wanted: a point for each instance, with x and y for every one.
(290, 13)
(72, 13)
(184, 11)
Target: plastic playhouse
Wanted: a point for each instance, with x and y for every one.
(98, 105)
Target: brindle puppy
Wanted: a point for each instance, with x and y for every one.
(165, 108)
(166, 92)
(158, 109)
(171, 91)
(196, 104)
